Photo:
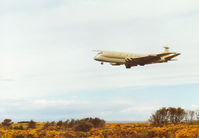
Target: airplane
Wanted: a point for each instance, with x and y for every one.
(131, 59)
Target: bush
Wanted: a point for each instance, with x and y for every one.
(19, 127)
(66, 124)
(46, 125)
(72, 123)
(96, 122)
(59, 123)
(7, 123)
(83, 126)
(32, 124)
(23, 122)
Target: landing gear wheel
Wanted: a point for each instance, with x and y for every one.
(102, 63)
(128, 66)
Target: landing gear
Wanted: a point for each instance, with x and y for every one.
(128, 66)
(102, 63)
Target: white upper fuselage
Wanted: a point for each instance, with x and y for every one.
(115, 57)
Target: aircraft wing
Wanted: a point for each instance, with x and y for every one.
(145, 59)
(164, 54)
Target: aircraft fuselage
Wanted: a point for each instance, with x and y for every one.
(131, 59)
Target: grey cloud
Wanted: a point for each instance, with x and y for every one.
(59, 109)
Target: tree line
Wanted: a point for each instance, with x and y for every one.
(161, 117)
(85, 124)
(172, 115)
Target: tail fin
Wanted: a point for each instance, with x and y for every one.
(166, 49)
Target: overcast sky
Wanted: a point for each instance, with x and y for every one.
(48, 72)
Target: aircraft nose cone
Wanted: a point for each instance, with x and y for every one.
(95, 58)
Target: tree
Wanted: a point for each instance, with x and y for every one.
(59, 123)
(160, 117)
(7, 123)
(164, 116)
(71, 123)
(66, 124)
(83, 126)
(32, 124)
(95, 121)
(189, 116)
(176, 115)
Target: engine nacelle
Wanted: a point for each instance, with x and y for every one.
(115, 64)
(162, 59)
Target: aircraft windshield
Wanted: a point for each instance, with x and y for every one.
(99, 53)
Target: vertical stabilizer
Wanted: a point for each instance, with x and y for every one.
(166, 49)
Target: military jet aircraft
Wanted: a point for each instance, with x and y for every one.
(130, 59)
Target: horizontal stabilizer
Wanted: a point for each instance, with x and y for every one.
(170, 57)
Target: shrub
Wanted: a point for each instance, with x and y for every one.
(59, 123)
(7, 123)
(19, 127)
(52, 123)
(66, 124)
(32, 124)
(83, 126)
(72, 123)
(98, 122)
(46, 125)
(23, 121)
(95, 121)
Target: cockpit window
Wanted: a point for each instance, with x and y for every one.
(99, 53)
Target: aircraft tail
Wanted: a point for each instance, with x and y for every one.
(166, 49)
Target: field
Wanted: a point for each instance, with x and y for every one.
(121, 130)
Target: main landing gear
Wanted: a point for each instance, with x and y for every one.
(128, 66)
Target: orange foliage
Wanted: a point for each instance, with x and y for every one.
(110, 130)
